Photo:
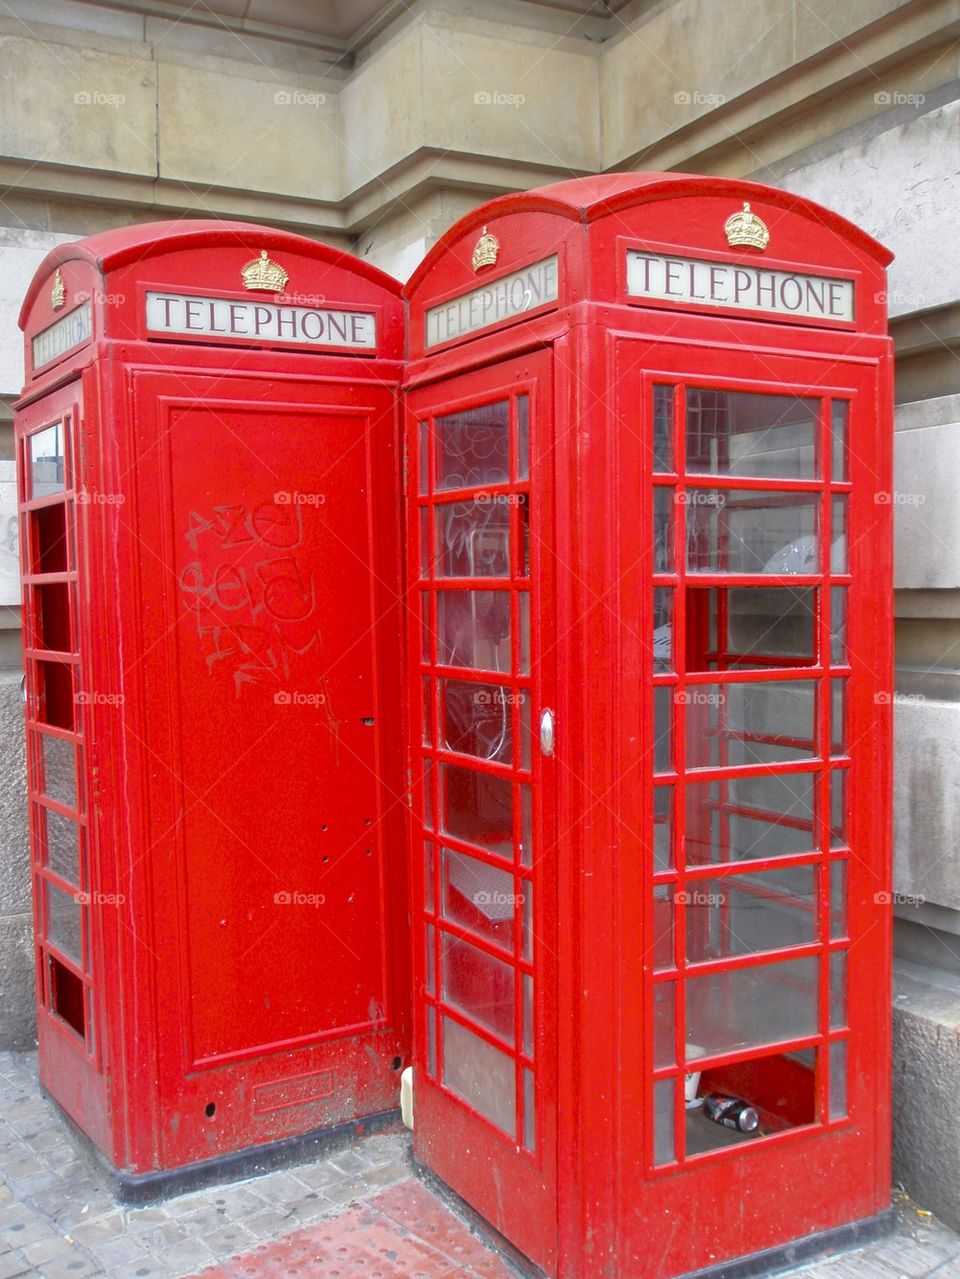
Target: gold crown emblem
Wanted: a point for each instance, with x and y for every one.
(58, 293)
(487, 250)
(746, 228)
(262, 273)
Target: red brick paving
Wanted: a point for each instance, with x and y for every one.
(404, 1232)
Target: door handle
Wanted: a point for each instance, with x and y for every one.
(547, 732)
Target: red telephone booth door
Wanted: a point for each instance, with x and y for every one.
(485, 925)
(754, 628)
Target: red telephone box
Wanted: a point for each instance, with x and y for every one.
(209, 474)
(649, 424)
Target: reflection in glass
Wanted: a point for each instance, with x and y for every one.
(663, 428)
(838, 989)
(477, 719)
(46, 461)
(529, 1111)
(526, 825)
(63, 845)
(838, 900)
(748, 1007)
(663, 1128)
(663, 502)
(428, 876)
(752, 531)
(838, 520)
(745, 433)
(427, 710)
(478, 808)
(430, 964)
(662, 719)
(664, 1049)
(523, 606)
(480, 1075)
(746, 914)
(478, 896)
(662, 629)
(473, 446)
(59, 770)
(838, 625)
(63, 921)
(838, 1079)
(474, 629)
(479, 986)
(750, 818)
(839, 416)
(750, 723)
(663, 926)
(662, 827)
(523, 437)
(424, 457)
(838, 808)
(473, 538)
(771, 621)
(528, 1014)
(838, 738)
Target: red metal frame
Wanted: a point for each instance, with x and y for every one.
(223, 1018)
(619, 1197)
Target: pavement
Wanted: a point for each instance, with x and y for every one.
(357, 1214)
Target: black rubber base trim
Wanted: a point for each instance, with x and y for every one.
(759, 1265)
(147, 1187)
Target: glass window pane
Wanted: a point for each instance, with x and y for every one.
(662, 827)
(663, 1121)
(430, 958)
(663, 503)
(526, 919)
(63, 921)
(481, 1075)
(46, 461)
(752, 531)
(838, 808)
(750, 818)
(838, 1080)
(523, 437)
(662, 629)
(663, 397)
(664, 1042)
(427, 711)
(473, 446)
(838, 899)
(526, 826)
(745, 433)
(748, 1007)
(838, 989)
(479, 896)
(62, 845)
(478, 808)
(50, 537)
(429, 863)
(523, 603)
(426, 567)
(59, 770)
(526, 740)
(662, 722)
(432, 1041)
(479, 986)
(474, 629)
(424, 457)
(763, 723)
(838, 735)
(838, 625)
(771, 621)
(528, 1014)
(473, 538)
(426, 629)
(428, 793)
(54, 629)
(477, 719)
(839, 416)
(663, 926)
(529, 1111)
(745, 914)
(838, 520)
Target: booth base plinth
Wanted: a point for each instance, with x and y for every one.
(148, 1187)
(759, 1265)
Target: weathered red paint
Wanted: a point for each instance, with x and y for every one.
(585, 1185)
(225, 539)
